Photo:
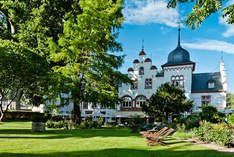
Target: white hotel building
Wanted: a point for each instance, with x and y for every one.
(202, 88)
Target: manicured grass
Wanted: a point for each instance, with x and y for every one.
(183, 135)
(17, 140)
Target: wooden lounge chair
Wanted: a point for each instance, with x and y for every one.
(156, 140)
(154, 129)
(150, 134)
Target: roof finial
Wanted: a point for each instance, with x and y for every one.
(179, 35)
(142, 44)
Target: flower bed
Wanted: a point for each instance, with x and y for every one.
(218, 133)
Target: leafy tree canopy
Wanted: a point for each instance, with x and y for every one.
(203, 9)
(84, 48)
(168, 100)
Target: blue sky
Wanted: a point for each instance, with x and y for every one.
(152, 21)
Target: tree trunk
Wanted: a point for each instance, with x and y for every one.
(76, 113)
(17, 101)
(1, 116)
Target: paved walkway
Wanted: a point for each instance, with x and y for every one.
(210, 145)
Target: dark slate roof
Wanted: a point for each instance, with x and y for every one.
(178, 56)
(200, 82)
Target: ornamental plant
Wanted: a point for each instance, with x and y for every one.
(219, 133)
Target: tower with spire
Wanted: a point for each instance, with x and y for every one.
(223, 75)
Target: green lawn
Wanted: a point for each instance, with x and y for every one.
(17, 140)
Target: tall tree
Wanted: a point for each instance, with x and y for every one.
(168, 100)
(204, 8)
(20, 69)
(83, 48)
(80, 33)
(25, 27)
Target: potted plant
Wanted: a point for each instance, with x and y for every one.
(38, 123)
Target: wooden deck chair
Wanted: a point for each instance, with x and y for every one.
(146, 133)
(151, 141)
(157, 134)
(154, 129)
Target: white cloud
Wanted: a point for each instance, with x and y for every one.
(230, 27)
(213, 45)
(142, 12)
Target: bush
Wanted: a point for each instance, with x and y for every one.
(60, 124)
(136, 123)
(100, 121)
(223, 134)
(218, 133)
(83, 125)
(180, 128)
(57, 118)
(50, 124)
(210, 114)
(231, 119)
(38, 118)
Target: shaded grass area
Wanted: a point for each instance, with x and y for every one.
(17, 140)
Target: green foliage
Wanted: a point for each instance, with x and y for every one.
(25, 28)
(72, 38)
(65, 124)
(100, 121)
(230, 100)
(205, 132)
(210, 113)
(202, 9)
(57, 118)
(168, 99)
(180, 127)
(219, 133)
(231, 119)
(91, 72)
(136, 123)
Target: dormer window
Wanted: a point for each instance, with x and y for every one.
(211, 84)
(141, 71)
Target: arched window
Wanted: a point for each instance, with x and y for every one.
(127, 102)
(141, 71)
(178, 81)
(140, 101)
